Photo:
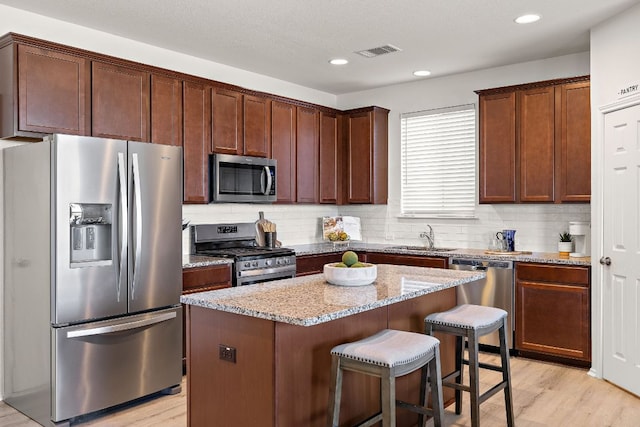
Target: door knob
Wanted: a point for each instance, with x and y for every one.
(605, 260)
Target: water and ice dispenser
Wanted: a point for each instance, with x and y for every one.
(91, 237)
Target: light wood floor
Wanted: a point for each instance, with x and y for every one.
(544, 394)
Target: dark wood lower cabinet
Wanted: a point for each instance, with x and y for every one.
(200, 279)
(553, 311)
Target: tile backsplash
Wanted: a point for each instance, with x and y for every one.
(537, 225)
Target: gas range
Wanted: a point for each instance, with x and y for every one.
(252, 264)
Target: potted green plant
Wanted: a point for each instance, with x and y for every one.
(565, 245)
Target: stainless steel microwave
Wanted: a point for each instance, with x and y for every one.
(242, 179)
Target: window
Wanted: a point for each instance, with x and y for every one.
(439, 162)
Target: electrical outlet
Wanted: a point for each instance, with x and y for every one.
(227, 353)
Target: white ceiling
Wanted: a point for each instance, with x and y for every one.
(293, 40)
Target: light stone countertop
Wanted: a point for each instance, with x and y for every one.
(538, 257)
(192, 261)
(310, 300)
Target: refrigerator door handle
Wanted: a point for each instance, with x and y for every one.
(103, 330)
(138, 223)
(124, 228)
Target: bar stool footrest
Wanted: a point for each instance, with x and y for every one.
(493, 390)
(414, 408)
(374, 419)
(456, 386)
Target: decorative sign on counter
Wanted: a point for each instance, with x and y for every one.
(335, 225)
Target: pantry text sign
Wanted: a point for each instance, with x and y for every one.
(628, 91)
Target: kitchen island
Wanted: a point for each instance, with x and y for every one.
(260, 354)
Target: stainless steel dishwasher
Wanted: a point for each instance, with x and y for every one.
(494, 291)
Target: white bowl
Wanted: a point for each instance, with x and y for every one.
(350, 276)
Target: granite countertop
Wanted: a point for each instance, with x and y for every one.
(310, 300)
(192, 261)
(539, 257)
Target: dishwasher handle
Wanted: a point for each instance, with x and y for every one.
(480, 264)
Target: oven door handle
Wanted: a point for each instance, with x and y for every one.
(265, 271)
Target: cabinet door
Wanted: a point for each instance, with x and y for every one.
(536, 143)
(360, 146)
(283, 149)
(330, 158)
(53, 92)
(257, 124)
(197, 142)
(553, 310)
(418, 261)
(498, 148)
(166, 110)
(307, 155)
(573, 142)
(227, 121)
(120, 102)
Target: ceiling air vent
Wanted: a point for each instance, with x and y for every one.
(377, 51)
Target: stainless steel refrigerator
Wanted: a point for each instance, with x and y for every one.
(92, 274)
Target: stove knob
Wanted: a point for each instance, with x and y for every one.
(247, 264)
(268, 262)
(255, 263)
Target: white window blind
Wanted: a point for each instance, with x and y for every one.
(439, 162)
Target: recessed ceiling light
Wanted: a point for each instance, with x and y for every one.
(527, 19)
(422, 73)
(338, 61)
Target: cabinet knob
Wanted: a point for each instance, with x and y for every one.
(605, 260)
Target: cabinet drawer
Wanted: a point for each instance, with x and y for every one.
(418, 261)
(553, 273)
(206, 278)
(313, 264)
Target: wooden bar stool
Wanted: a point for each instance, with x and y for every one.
(471, 322)
(389, 354)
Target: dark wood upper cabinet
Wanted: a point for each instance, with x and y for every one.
(573, 142)
(226, 108)
(536, 138)
(166, 110)
(43, 91)
(197, 141)
(535, 142)
(120, 102)
(366, 133)
(498, 148)
(330, 158)
(307, 155)
(283, 149)
(257, 126)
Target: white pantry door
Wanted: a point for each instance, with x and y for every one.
(621, 243)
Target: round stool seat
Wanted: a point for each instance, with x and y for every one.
(389, 348)
(469, 316)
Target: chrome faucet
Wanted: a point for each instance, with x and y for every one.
(429, 236)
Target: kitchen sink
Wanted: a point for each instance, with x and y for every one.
(421, 248)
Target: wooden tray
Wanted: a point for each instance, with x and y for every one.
(507, 252)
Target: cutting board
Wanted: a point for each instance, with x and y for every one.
(507, 252)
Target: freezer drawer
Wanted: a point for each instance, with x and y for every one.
(102, 364)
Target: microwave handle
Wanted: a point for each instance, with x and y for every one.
(267, 188)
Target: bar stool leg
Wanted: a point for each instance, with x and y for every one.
(424, 380)
(436, 388)
(506, 373)
(335, 392)
(460, 369)
(474, 376)
(388, 392)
